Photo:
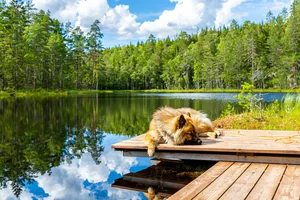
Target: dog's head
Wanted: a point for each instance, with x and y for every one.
(184, 127)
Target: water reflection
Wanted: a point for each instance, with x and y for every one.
(193, 96)
(162, 180)
(83, 178)
(224, 97)
(60, 147)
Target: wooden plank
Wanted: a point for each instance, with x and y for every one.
(247, 146)
(241, 188)
(268, 183)
(220, 140)
(223, 182)
(289, 187)
(231, 134)
(272, 159)
(227, 143)
(254, 134)
(258, 132)
(223, 147)
(197, 185)
(129, 145)
(266, 139)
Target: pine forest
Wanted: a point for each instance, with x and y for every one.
(39, 52)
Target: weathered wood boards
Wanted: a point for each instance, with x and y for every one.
(280, 147)
(237, 141)
(200, 183)
(250, 173)
(227, 180)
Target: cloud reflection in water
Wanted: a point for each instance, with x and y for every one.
(83, 179)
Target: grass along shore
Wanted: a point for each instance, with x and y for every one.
(45, 93)
(282, 115)
(23, 93)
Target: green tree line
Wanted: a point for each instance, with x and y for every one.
(39, 52)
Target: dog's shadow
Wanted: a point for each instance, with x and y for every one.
(204, 141)
(193, 144)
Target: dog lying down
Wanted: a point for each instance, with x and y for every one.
(178, 127)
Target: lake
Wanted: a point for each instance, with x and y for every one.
(59, 147)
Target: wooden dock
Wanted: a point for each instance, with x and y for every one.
(251, 181)
(280, 147)
(253, 164)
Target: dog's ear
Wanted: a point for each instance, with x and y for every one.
(189, 114)
(181, 121)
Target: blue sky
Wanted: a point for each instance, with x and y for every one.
(146, 10)
(125, 21)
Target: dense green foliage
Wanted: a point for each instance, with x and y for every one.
(40, 52)
(37, 51)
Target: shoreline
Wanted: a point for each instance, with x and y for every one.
(21, 93)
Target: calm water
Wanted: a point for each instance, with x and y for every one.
(59, 148)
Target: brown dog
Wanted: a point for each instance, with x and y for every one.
(178, 126)
(170, 126)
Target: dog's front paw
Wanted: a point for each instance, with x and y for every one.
(214, 134)
(217, 133)
(151, 152)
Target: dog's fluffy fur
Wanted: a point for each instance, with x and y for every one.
(177, 126)
(203, 125)
(170, 126)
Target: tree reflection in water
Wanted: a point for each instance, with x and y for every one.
(38, 134)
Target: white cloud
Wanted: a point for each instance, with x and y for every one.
(114, 193)
(66, 181)
(225, 14)
(79, 12)
(114, 160)
(120, 21)
(90, 10)
(7, 194)
(187, 15)
(278, 5)
(64, 10)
